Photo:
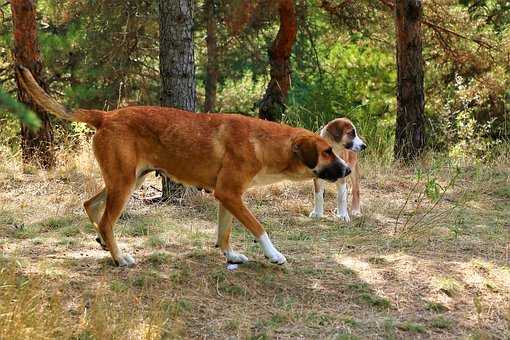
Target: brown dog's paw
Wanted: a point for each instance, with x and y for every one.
(125, 261)
(101, 243)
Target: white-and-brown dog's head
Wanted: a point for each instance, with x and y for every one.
(318, 156)
(343, 133)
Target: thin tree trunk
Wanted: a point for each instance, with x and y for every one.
(272, 105)
(212, 73)
(37, 146)
(176, 64)
(410, 125)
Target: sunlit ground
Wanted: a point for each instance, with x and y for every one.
(409, 268)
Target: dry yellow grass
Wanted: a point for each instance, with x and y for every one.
(410, 268)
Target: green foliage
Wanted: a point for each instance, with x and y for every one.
(357, 82)
(104, 54)
(19, 110)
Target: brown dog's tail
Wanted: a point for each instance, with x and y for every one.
(41, 98)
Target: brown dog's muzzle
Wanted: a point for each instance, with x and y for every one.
(332, 172)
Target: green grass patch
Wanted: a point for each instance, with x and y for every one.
(345, 336)
(67, 242)
(159, 258)
(156, 241)
(69, 231)
(141, 226)
(436, 307)
(177, 308)
(56, 223)
(118, 286)
(27, 232)
(441, 323)
(378, 261)
(374, 300)
(412, 327)
(449, 286)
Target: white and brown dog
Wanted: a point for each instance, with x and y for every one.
(342, 135)
(224, 153)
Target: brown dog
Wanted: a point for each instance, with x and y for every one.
(342, 135)
(224, 153)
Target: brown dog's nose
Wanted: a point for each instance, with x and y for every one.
(363, 147)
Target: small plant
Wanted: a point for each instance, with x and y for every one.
(448, 286)
(158, 258)
(412, 327)
(375, 300)
(55, 223)
(436, 307)
(377, 260)
(441, 323)
(156, 241)
(29, 231)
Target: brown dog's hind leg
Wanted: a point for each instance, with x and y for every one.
(94, 208)
(224, 231)
(115, 201)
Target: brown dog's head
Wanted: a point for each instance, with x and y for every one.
(317, 155)
(343, 132)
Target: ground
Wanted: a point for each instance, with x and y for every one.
(428, 259)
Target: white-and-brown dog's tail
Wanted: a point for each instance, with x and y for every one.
(41, 98)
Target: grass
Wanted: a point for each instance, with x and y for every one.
(441, 323)
(412, 327)
(413, 266)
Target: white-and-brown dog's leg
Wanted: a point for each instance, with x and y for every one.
(223, 241)
(356, 202)
(342, 193)
(318, 199)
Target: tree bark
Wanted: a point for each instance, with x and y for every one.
(37, 146)
(176, 65)
(410, 125)
(212, 73)
(272, 105)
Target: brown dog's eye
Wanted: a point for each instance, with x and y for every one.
(328, 152)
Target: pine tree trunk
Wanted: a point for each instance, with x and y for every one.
(410, 126)
(212, 73)
(272, 105)
(176, 64)
(37, 146)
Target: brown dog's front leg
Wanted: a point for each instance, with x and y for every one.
(235, 205)
(224, 230)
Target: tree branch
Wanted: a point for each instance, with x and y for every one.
(435, 27)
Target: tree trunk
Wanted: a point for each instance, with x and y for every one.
(37, 146)
(212, 73)
(410, 126)
(272, 105)
(176, 65)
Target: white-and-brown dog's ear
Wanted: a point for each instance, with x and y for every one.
(336, 131)
(305, 149)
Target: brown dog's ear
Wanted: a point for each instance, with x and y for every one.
(305, 149)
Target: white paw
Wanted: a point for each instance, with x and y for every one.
(125, 261)
(342, 216)
(316, 214)
(277, 258)
(235, 257)
(356, 213)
